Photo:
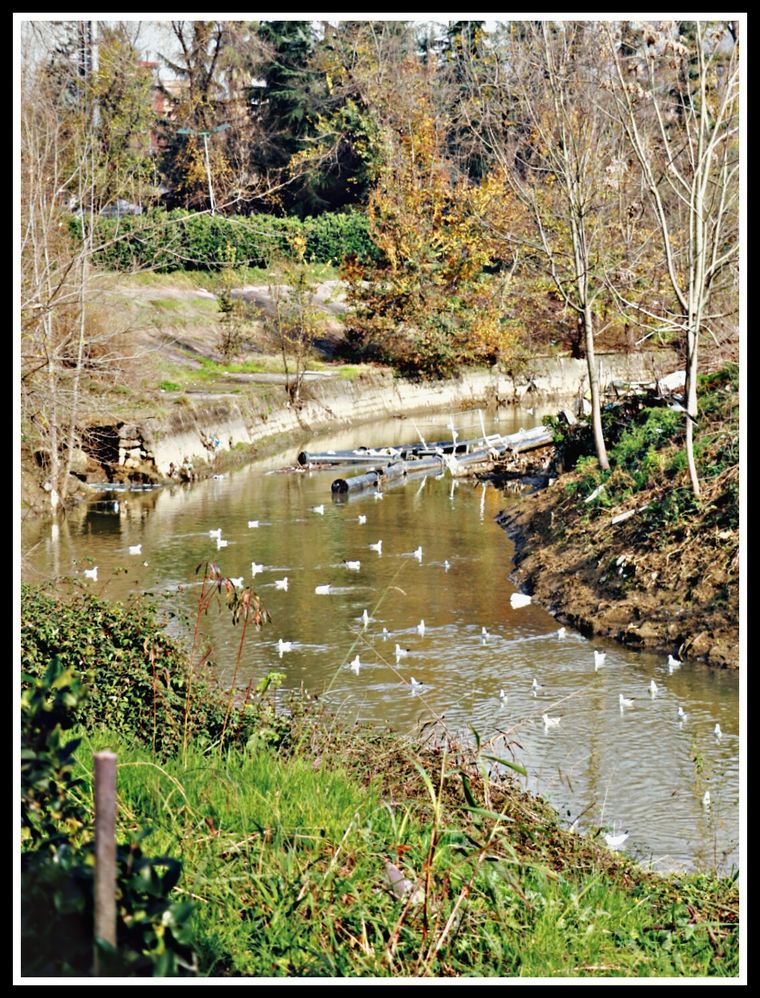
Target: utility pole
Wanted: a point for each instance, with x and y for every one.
(205, 134)
(208, 173)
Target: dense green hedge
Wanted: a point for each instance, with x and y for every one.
(134, 677)
(181, 240)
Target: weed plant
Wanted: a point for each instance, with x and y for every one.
(309, 849)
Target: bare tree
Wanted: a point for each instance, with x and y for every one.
(677, 97)
(68, 351)
(540, 121)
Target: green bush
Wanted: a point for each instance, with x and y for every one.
(57, 861)
(136, 678)
(330, 238)
(182, 240)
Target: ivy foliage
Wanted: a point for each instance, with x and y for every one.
(57, 864)
(180, 240)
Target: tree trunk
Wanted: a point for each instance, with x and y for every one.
(691, 409)
(593, 380)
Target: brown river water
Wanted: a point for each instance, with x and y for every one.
(635, 768)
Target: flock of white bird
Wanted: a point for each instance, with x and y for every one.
(517, 601)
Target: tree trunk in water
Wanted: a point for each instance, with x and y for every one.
(593, 380)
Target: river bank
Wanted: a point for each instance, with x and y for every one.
(181, 436)
(640, 560)
(307, 846)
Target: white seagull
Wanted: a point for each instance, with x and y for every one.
(484, 634)
(377, 495)
(421, 628)
(536, 686)
(446, 566)
(386, 634)
(615, 841)
(625, 701)
(252, 524)
(550, 722)
(237, 583)
(215, 533)
(135, 548)
(377, 547)
(361, 518)
(717, 732)
(221, 544)
(519, 600)
(681, 713)
(401, 652)
(503, 696)
(364, 618)
(417, 554)
(318, 509)
(355, 666)
(255, 569)
(673, 664)
(599, 657)
(322, 590)
(414, 684)
(91, 573)
(283, 646)
(281, 583)
(561, 632)
(653, 688)
(353, 565)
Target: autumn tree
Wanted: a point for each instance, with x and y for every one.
(210, 133)
(352, 65)
(540, 120)
(431, 304)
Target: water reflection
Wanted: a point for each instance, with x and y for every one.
(636, 768)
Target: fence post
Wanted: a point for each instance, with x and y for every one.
(105, 851)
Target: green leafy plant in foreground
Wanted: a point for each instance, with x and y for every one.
(57, 864)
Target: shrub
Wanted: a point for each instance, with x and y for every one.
(138, 681)
(181, 240)
(57, 865)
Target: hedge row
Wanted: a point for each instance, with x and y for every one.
(181, 240)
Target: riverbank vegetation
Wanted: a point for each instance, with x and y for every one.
(433, 164)
(652, 565)
(423, 197)
(270, 840)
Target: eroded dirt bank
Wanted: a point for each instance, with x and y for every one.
(605, 579)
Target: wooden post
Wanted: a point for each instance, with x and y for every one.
(105, 850)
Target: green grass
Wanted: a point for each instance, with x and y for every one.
(284, 856)
(284, 822)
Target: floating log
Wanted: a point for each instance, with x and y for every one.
(358, 483)
(374, 455)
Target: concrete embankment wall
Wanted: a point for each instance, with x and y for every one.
(199, 432)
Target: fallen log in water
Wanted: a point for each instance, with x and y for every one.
(357, 483)
(390, 474)
(374, 455)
